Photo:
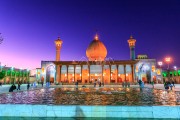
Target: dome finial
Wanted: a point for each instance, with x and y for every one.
(131, 37)
(96, 37)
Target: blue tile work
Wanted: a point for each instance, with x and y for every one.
(73, 111)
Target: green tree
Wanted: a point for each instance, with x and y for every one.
(2, 75)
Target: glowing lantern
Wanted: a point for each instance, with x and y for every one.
(42, 70)
(153, 68)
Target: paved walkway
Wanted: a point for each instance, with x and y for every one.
(5, 88)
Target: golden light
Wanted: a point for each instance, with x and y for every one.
(168, 59)
(42, 70)
(111, 74)
(65, 74)
(72, 74)
(158, 71)
(80, 74)
(119, 75)
(126, 74)
(88, 74)
(153, 68)
(95, 74)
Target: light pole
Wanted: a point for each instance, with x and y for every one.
(160, 63)
(168, 60)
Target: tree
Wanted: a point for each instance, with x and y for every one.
(1, 38)
(2, 75)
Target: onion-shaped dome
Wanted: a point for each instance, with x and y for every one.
(96, 50)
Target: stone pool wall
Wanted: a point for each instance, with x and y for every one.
(23, 110)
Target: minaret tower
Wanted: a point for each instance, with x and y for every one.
(58, 44)
(132, 42)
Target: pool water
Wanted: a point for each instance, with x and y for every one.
(34, 118)
(93, 96)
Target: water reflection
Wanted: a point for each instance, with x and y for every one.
(92, 96)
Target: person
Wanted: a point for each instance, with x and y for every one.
(140, 82)
(171, 85)
(19, 85)
(13, 87)
(94, 83)
(166, 85)
(152, 83)
(128, 84)
(76, 83)
(42, 83)
(100, 84)
(103, 84)
(123, 84)
(49, 84)
(28, 85)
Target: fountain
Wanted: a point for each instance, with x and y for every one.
(107, 102)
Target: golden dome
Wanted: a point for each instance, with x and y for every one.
(96, 50)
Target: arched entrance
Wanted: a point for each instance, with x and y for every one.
(50, 74)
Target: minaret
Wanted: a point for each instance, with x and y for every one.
(132, 42)
(58, 44)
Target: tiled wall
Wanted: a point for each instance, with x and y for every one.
(90, 111)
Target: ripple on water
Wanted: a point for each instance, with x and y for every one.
(91, 96)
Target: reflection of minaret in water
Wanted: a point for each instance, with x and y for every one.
(132, 42)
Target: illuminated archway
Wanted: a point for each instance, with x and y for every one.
(50, 73)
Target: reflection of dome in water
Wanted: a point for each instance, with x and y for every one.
(96, 50)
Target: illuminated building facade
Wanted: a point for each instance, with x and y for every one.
(97, 67)
(15, 75)
(174, 75)
(146, 70)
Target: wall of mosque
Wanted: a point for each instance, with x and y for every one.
(48, 72)
(89, 74)
(146, 70)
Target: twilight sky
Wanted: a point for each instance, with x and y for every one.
(29, 28)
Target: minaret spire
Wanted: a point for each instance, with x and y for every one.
(132, 42)
(58, 44)
(96, 37)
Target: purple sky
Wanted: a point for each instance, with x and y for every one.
(29, 28)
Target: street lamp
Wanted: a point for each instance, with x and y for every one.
(160, 63)
(168, 60)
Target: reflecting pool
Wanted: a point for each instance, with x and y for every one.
(93, 96)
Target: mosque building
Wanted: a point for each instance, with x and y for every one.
(99, 68)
